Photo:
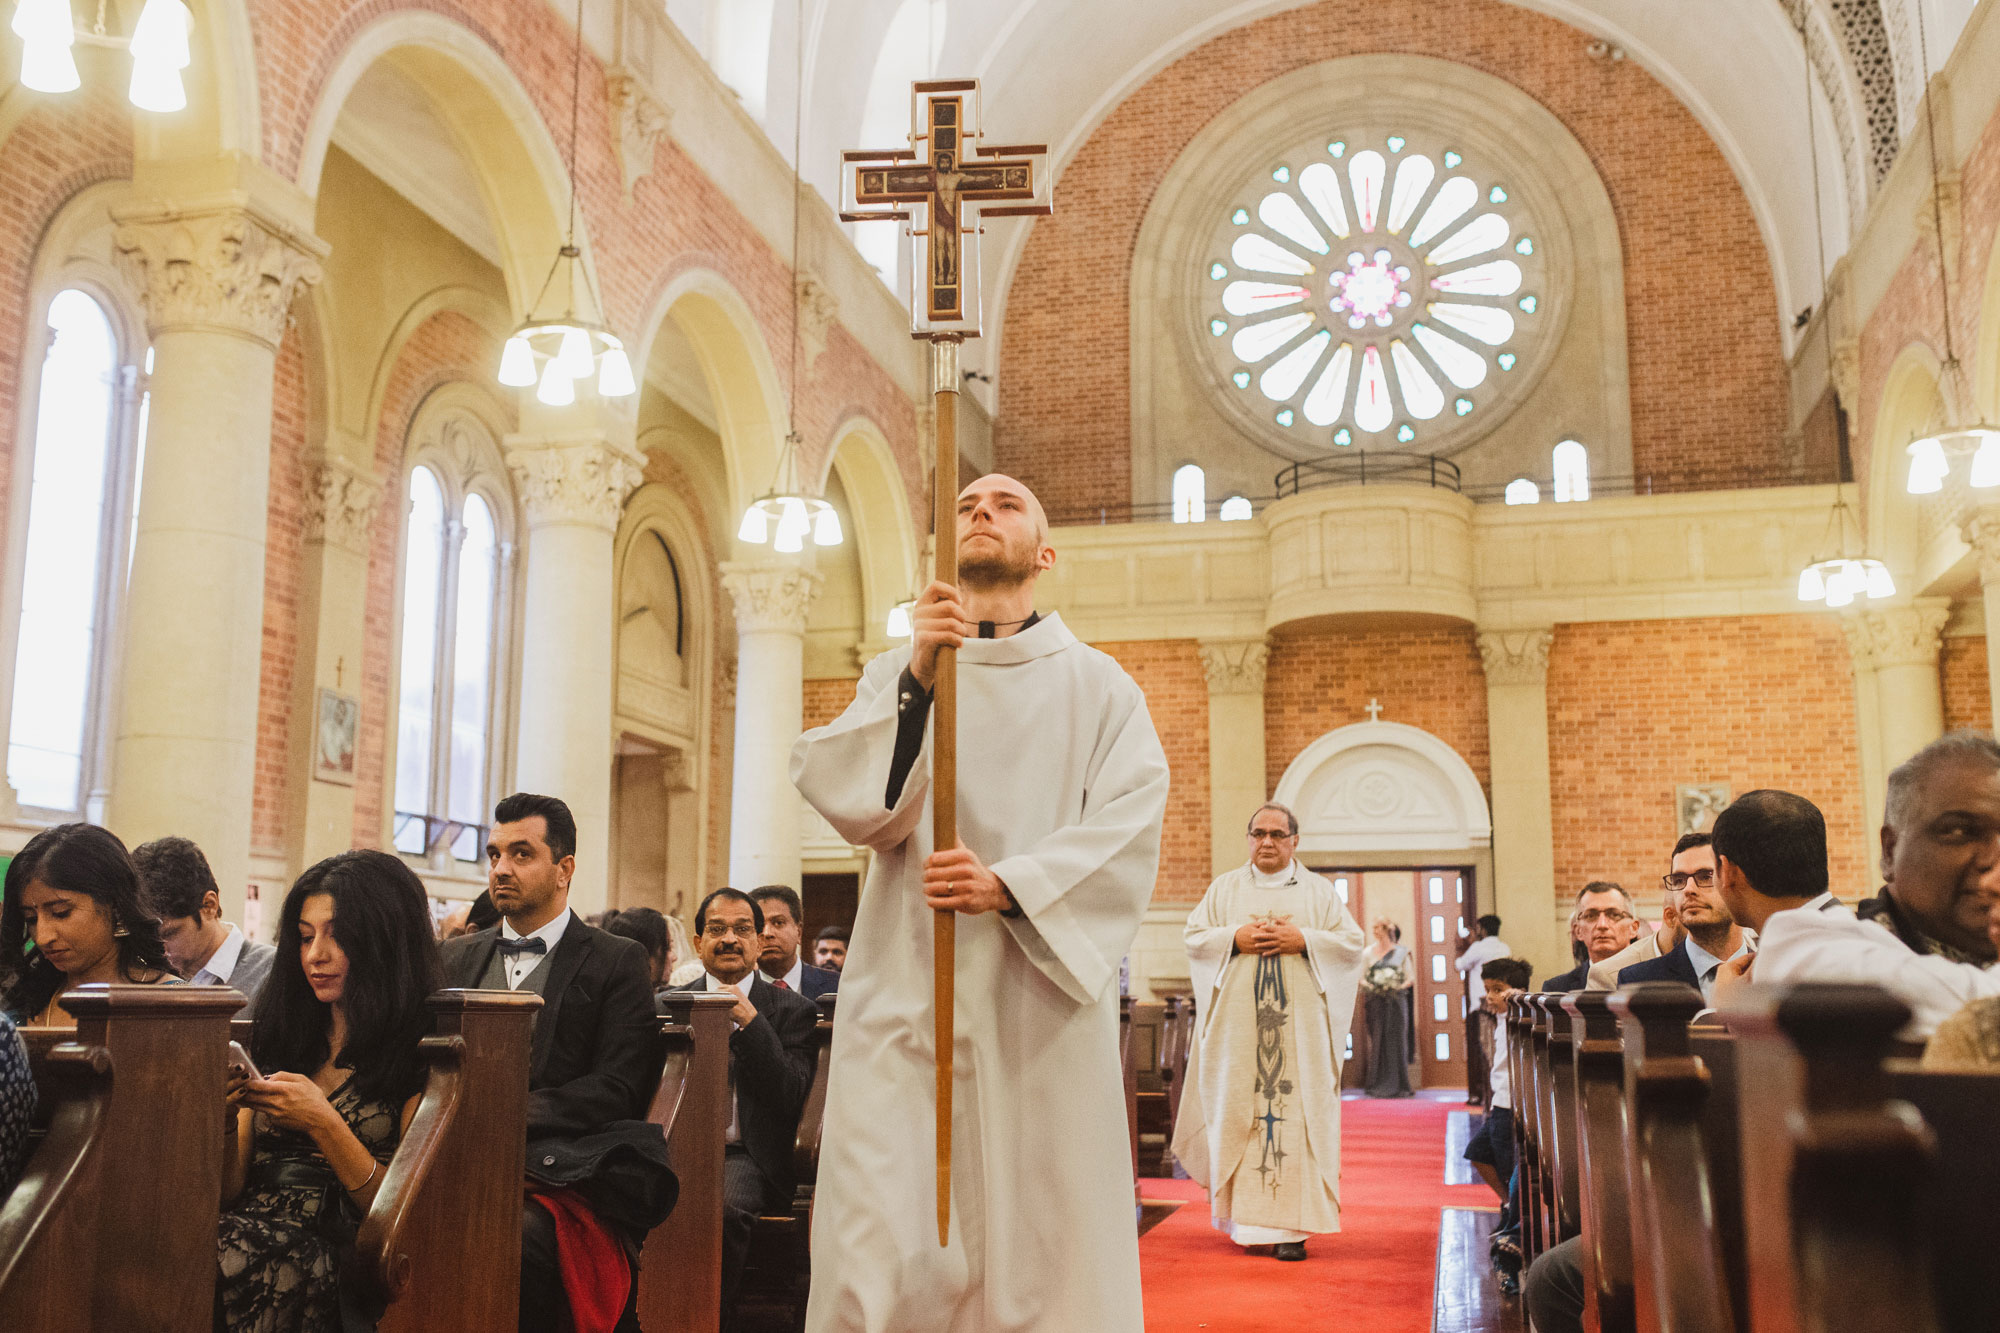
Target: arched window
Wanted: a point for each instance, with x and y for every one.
(79, 523)
(1190, 494)
(1235, 509)
(741, 51)
(452, 617)
(1572, 463)
(1522, 491)
(909, 52)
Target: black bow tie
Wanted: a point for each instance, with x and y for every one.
(527, 944)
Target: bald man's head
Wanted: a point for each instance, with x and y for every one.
(1003, 534)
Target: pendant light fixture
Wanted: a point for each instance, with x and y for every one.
(785, 515)
(158, 45)
(555, 352)
(1932, 456)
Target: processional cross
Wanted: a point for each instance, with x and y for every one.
(942, 185)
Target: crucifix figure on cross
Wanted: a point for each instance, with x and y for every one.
(941, 186)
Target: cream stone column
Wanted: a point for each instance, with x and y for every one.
(1982, 534)
(1236, 779)
(216, 276)
(572, 488)
(341, 500)
(765, 814)
(1899, 704)
(1524, 856)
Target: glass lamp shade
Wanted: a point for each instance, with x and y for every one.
(826, 527)
(614, 374)
(1986, 460)
(755, 528)
(558, 388)
(48, 67)
(156, 87)
(1928, 467)
(160, 37)
(1880, 584)
(1812, 584)
(574, 355)
(793, 526)
(899, 620)
(1839, 592)
(517, 363)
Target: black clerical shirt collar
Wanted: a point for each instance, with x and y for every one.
(986, 627)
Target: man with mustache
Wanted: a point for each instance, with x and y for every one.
(771, 1059)
(1062, 788)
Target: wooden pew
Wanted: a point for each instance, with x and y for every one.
(778, 1275)
(1527, 1121)
(1155, 1125)
(1565, 1156)
(1548, 1227)
(441, 1244)
(1128, 1055)
(680, 1269)
(1174, 1058)
(1957, 1199)
(1599, 1059)
(1685, 1198)
(48, 1254)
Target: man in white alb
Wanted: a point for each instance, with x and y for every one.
(1275, 956)
(1062, 786)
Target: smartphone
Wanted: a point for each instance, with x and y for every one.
(240, 1061)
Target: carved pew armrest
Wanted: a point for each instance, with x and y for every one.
(77, 1081)
(382, 1267)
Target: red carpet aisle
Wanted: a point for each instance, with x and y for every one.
(1376, 1276)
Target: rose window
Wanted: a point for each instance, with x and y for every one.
(1376, 292)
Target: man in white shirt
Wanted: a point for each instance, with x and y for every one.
(1941, 867)
(781, 959)
(1476, 950)
(202, 947)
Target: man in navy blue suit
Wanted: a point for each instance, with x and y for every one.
(784, 923)
(1709, 935)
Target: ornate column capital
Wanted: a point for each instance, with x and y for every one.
(1234, 666)
(340, 504)
(771, 597)
(1847, 371)
(1899, 636)
(1516, 657)
(583, 481)
(225, 266)
(1981, 531)
(642, 120)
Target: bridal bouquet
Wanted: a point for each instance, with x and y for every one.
(1383, 978)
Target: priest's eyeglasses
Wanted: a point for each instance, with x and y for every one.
(1271, 835)
(1703, 879)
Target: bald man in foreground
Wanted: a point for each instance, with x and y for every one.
(1062, 785)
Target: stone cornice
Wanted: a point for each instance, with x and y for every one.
(771, 597)
(220, 265)
(1516, 657)
(340, 504)
(1234, 666)
(579, 481)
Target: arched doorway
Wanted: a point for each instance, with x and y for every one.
(1399, 822)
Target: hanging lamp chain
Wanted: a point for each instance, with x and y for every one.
(1951, 366)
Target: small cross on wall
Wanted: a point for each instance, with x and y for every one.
(1374, 710)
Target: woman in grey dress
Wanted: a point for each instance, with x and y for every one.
(1389, 984)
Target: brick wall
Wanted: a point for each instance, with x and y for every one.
(1637, 707)
(1428, 678)
(1708, 377)
(1169, 672)
(827, 700)
(282, 533)
(1968, 701)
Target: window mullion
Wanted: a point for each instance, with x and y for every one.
(447, 640)
(107, 642)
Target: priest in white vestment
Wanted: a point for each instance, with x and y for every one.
(1276, 957)
(1062, 786)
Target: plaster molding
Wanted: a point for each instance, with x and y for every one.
(220, 267)
(1946, 213)
(771, 598)
(818, 311)
(1234, 666)
(1516, 657)
(1847, 371)
(1899, 636)
(1384, 786)
(643, 121)
(575, 481)
(341, 500)
(1981, 532)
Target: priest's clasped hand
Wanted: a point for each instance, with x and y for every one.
(958, 881)
(1270, 938)
(939, 620)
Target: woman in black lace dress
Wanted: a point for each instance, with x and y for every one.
(336, 1040)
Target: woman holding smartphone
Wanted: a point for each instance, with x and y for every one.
(337, 1077)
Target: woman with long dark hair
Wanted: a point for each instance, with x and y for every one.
(335, 1039)
(73, 893)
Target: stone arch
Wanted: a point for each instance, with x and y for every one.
(1913, 401)
(499, 131)
(1384, 787)
(884, 533)
(475, 305)
(736, 365)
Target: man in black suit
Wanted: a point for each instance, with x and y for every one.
(595, 1053)
(1603, 922)
(780, 962)
(1709, 935)
(772, 1054)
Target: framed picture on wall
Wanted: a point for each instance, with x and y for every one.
(338, 732)
(1696, 804)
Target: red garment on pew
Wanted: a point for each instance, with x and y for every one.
(595, 1275)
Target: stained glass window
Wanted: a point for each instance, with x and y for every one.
(1190, 495)
(1366, 285)
(1572, 462)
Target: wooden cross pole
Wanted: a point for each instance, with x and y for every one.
(942, 185)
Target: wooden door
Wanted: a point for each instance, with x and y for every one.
(1443, 897)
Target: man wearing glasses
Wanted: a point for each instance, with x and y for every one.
(1603, 923)
(771, 1060)
(1710, 937)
